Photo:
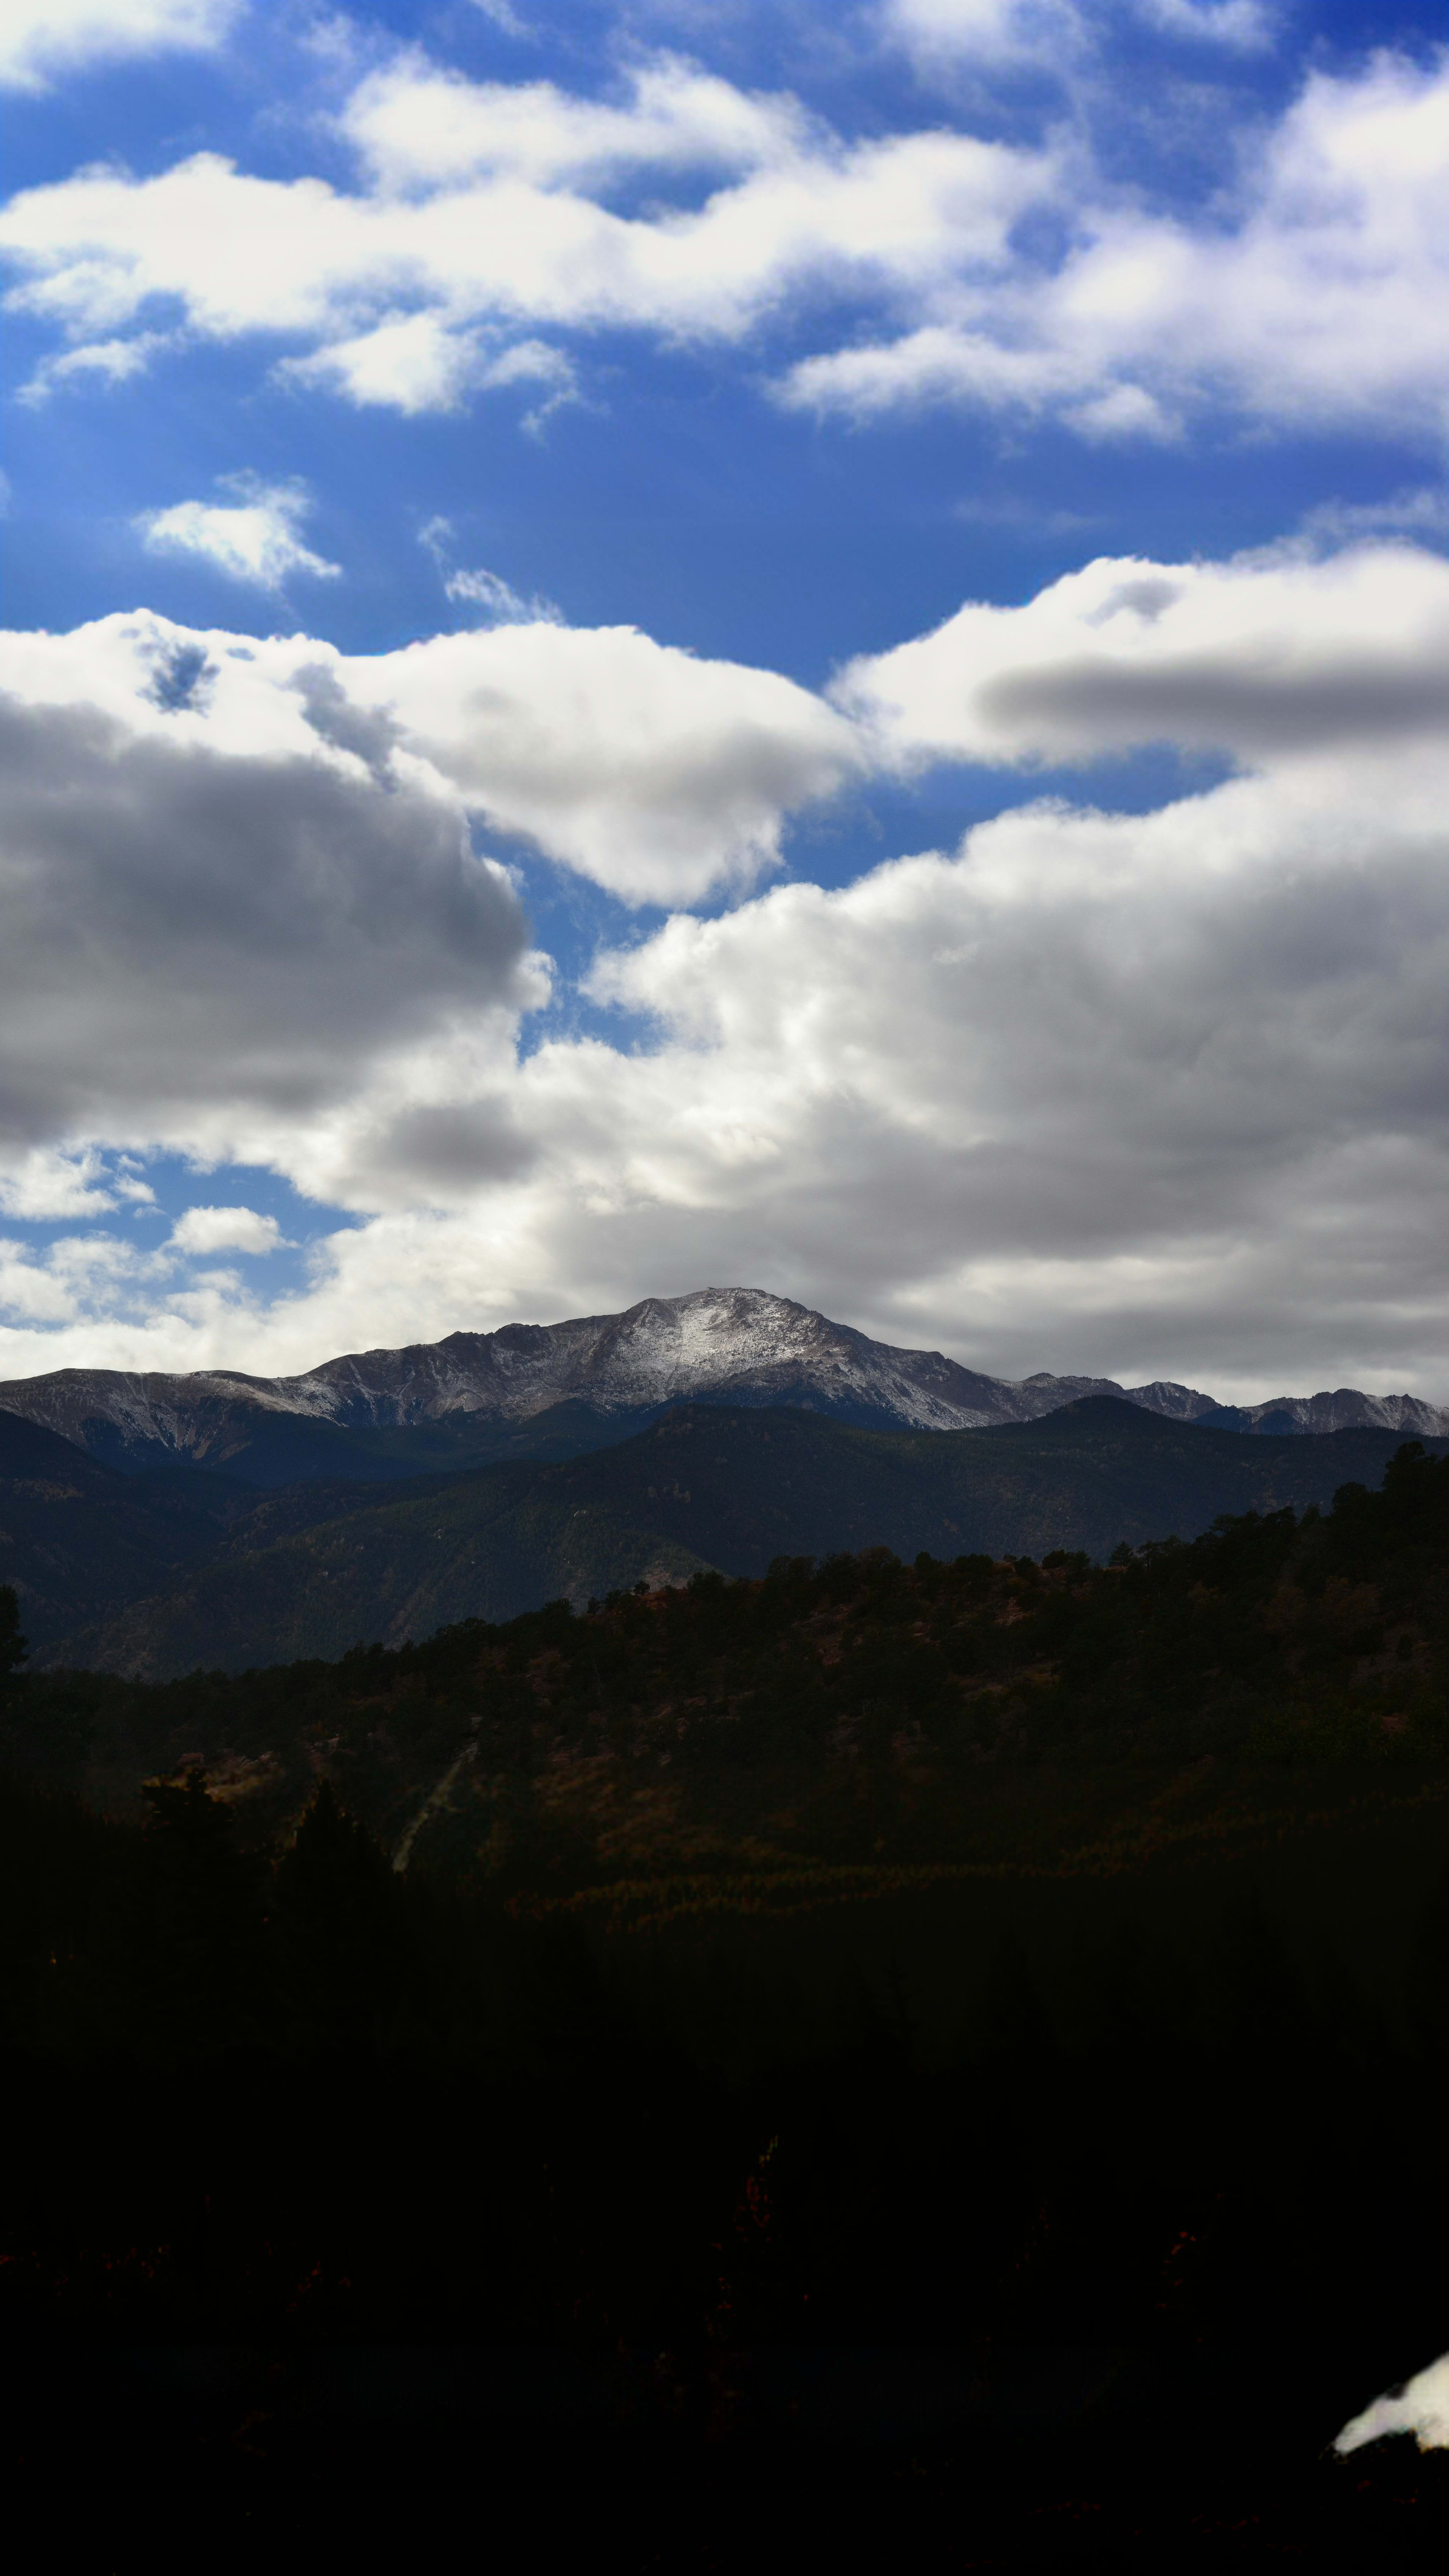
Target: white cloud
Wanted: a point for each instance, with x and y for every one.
(1303, 303)
(408, 362)
(1058, 35)
(46, 1187)
(1420, 2408)
(478, 225)
(660, 775)
(1421, 511)
(40, 39)
(415, 127)
(416, 362)
(246, 255)
(496, 600)
(1154, 1094)
(252, 539)
(992, 33)
(225, 1229)
(534, 362)
(36, 1297)
(1299, 297)
(1273, 658)
(113, 362)
(1242, 26)
(504, 17)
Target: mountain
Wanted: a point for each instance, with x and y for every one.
(557, 1390)
(727, 1487)
(77, 1539)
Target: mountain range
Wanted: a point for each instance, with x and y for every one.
(554, 1391)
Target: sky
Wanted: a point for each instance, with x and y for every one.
(802, 647)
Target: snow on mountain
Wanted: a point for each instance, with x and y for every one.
(731, 1345)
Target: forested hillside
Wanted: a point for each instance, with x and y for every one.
(1030, 1970)
(839, 1710)
(158, 1574)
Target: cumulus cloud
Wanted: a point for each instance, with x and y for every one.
(225, 1229)
(1272, 657)
(481, 219)
(1176, 1066)
(40, 39)
(661, 776)
(1155, 1094)
(418, 362)
(47, 1187)
(1301, 302)
(252, 539)
(490, 217)
(415, 126)
(400, 280)
(1421, 2407)
(203, 929)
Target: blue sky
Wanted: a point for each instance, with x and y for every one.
(876, 578)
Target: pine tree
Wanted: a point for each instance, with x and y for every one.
(13, 1647)
(203, 1933)
(340, 1915)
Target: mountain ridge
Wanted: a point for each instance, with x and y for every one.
(724, 1346)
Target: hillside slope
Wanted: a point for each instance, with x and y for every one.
(853, 1711)
(708, 1486)
(76, 1537)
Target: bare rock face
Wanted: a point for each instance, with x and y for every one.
(721, 1345)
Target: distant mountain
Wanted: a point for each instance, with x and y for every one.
(77, 1539)
(704, 1486)
(81, 1541)
(558, 1390)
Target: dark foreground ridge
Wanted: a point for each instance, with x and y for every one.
(875, 2049)
(155, 1574)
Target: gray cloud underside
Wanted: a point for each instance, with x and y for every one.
(1262, 711)
(183, 926)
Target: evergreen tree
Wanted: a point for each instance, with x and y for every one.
(340, 1917)
(13, 1647)
(202, 1930)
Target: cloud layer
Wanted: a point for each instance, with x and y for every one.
(1146, 1093)
(990, 275)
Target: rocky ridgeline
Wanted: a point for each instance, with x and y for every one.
(733, 1345)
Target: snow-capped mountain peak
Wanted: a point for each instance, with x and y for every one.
(719, 1345)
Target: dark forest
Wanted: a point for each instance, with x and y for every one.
(769, 2063)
